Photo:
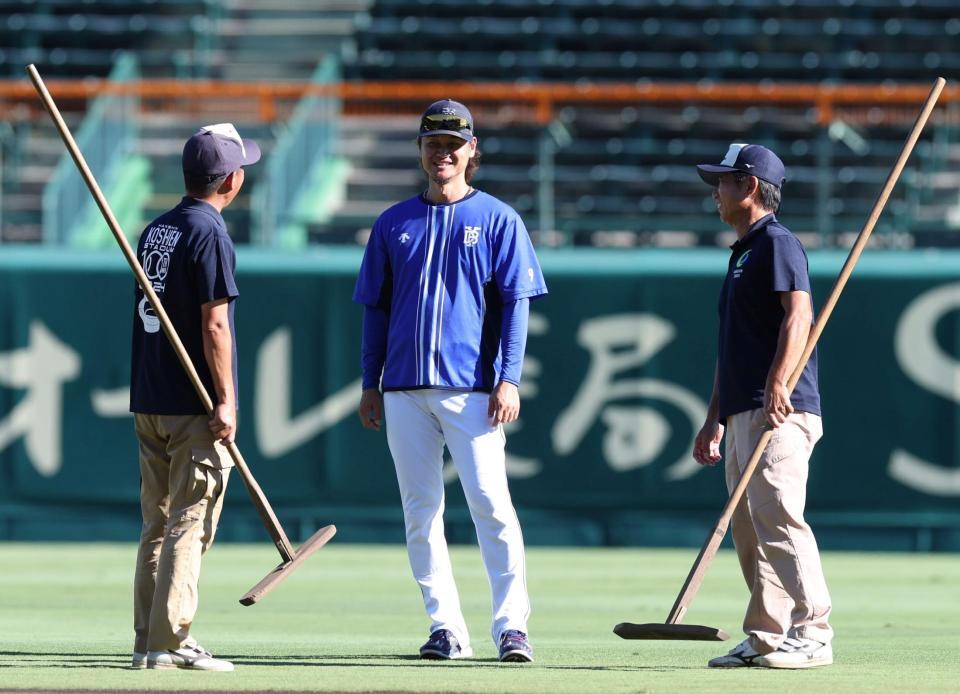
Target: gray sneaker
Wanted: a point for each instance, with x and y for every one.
(139, 661)
(741, 655)
(798, 654)
(194, 657)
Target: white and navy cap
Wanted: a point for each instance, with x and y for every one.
(217, 150)
(447, 117)
(755, 160)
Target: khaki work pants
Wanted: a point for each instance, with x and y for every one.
(777, 550)
(184, 476)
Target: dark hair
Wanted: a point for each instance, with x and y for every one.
(472, 165)
(203, 186)
(768, 195)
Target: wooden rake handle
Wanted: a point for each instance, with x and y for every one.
(256, 494)
(712, 544)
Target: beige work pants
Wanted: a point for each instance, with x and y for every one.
(777, 550)
(183, 475)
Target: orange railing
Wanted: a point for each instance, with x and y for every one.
(270, 101)
(816, 106)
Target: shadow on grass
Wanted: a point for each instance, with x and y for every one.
(121, 661)
(394, 660)
(346, 660)
(52, 659)
(625, 668)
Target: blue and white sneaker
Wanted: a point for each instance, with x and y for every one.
(515, 648)
(741, 655)
(443, 645)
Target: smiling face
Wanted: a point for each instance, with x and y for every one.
(444, 158)
(734, 197)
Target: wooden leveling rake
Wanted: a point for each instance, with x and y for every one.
(291, 558)
(672, 628)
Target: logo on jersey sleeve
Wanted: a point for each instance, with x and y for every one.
(404, 237)
(471, 236)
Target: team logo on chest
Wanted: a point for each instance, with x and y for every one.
(741, 261)
(471, 236)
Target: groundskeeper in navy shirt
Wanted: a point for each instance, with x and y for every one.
(189, 259)
(767, 260)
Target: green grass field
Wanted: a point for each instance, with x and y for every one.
(350, 619)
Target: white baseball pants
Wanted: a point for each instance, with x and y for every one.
(419, 422)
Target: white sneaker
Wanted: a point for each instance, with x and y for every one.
(796, 654)
(194, 657)
(741, 655)
(139, 661)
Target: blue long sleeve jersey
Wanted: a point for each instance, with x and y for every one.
(446, 290)
(513, 342)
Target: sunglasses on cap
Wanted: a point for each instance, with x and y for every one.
(443, 121)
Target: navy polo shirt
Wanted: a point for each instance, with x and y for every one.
(767, 260)
(190, 261)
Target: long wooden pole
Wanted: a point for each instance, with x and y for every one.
(712, 544)
(256, 494)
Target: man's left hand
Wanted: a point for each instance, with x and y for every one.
(776, 404)
(504, 406)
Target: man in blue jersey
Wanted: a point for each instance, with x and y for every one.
(189, 259)
(766, 310)
(446, 282)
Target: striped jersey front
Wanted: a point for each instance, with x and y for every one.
(443, 272)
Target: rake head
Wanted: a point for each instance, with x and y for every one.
(672, 632)
(273, 579)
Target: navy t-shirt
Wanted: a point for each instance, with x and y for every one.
(767, 260)
(190, 261)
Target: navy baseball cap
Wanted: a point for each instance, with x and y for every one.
(447, 117)
(755, 160)
(217, 150)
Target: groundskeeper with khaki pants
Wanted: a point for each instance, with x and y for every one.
(766, 313)
(189, 258)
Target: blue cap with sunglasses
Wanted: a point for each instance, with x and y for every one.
(447, 117)
(755, 160)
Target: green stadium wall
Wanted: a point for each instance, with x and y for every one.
(619, 365)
